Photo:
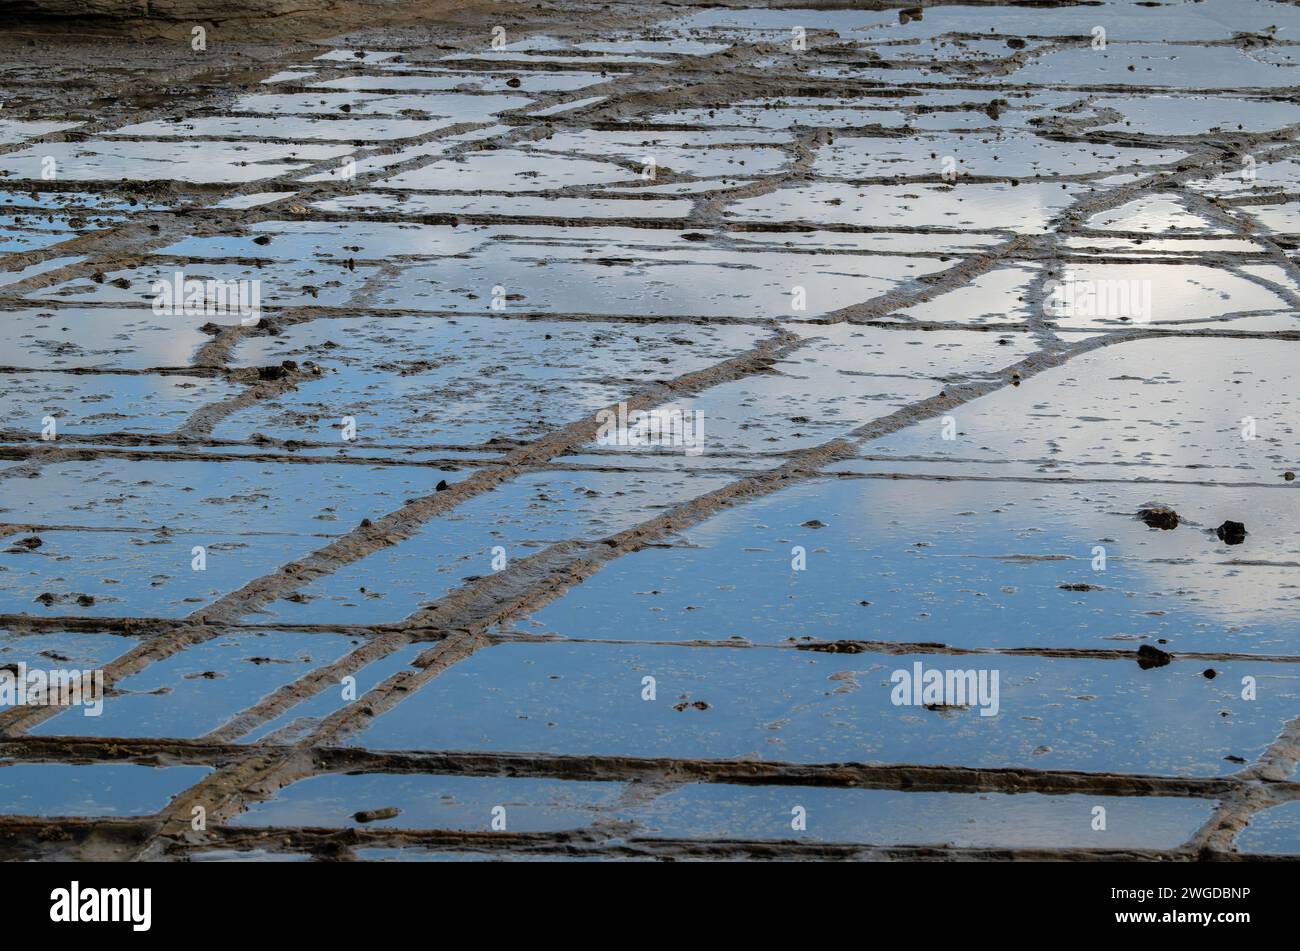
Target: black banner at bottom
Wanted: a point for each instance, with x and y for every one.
(271, 900)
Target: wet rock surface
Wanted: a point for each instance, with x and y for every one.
(625, 415)
(1159, 516)
(1231, 533)
(1149, 657)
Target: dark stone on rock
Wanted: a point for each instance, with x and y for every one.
(1148, 657)
(835, 647)
(374, 815)
(1159, 516)
(1231, 533)
(686, 705)
(442, 486)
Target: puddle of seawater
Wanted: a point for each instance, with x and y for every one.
(1011, 153)
(507, 55)
(13, 131)
(1155, 115)
(1191, 248)
(83, 404)
(797, 706)
(424, 79)
(362, 57)
(297, 242)
(196, 690)
(72, 204)
(334, 129)
(1157, 404)
(722, 811)
(1261, 177)
(1125, 21)
(679, 152)
(1280, 219)
(975, 564)
(1158, 65)
(510, 170)
(1159, 213)
(1026, 209)
(137, 574)
(202, 162)
(251, 201)
(435, 802)
(294, 76)
(32, 270)
(997, 297)
(466, 380)
(455, 107)
(16, 237)
(331, 283)
(300, 719)
(1116, 296)
(885, 817)
(1273, 831)
(598, 271)
(261, 498)
(514, 204)
(843, 377)
(513, 521)
(92, 789)
(101, 337)
(62, 650)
